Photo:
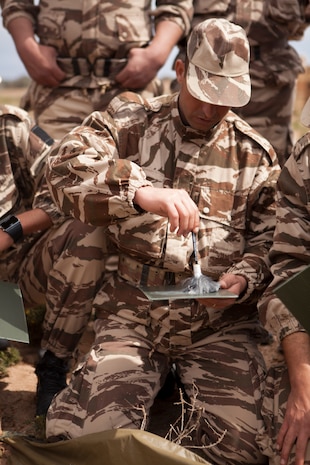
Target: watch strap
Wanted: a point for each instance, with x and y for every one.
(12, 226)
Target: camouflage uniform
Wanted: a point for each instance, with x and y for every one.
(61, 267)
(290, 253)
(274, 64)
(231, 175)
(90, 52)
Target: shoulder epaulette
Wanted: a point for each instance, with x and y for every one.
(246, 129)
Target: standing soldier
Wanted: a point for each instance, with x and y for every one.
(88, 51)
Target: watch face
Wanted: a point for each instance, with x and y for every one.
(13, 227)
(9, 222)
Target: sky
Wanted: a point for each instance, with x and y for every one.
(12, 68)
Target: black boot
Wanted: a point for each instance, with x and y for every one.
(52, 373)
(4, 344)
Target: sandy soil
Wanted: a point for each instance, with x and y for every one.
(17, 394)
(17, 397)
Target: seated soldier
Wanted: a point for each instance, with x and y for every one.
(57, 261)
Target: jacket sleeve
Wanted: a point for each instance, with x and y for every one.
(88, 179)
(180, 12)
(12, 9)
(23, 157)
(290, 252)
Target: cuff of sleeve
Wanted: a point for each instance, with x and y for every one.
(250, 278)
(279, 319)
(18, 14)
(131, 195)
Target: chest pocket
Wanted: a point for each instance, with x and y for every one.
(50, 27)
(222, 228)
(221, 206)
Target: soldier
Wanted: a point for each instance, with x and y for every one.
(56, 260)
(90, 51)
(274, 63)
(290, 253)
(154, 171)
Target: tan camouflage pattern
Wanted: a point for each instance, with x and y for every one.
(231, 175)
(274, 65)
(106, 153)
(218, 68)
(290, 251)
(61, 267)
(122, 375)
(89, 31)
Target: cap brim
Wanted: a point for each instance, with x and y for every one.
(218, 90)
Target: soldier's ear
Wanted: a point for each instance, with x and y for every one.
(180, 70)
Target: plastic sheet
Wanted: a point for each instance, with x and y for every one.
(112, 447)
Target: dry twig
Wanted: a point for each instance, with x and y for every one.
(183, 428)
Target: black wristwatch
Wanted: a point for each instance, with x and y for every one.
(12, 226)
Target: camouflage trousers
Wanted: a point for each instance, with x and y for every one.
(59, 109)
(135, 344)
(62, 269)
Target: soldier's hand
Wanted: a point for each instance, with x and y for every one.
(175, 204)
(40, 62)
(294, 434)
(232, 283)
(141, 68)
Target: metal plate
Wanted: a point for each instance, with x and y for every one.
(175, 293)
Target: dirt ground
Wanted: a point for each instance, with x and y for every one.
(17, 394)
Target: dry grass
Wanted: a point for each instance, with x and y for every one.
(11, 96)
(8, 358)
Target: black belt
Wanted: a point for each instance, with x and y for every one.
(102, 67)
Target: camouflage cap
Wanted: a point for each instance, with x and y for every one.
(218, 72)
(305, 114)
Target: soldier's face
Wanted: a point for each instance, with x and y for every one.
(196, 113)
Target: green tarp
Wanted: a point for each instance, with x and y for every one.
(13, 324)
(295, 294)
(113, 447)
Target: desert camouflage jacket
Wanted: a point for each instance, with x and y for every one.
(23, 155)
(95, 29)
(290, 252)
(230, 173)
